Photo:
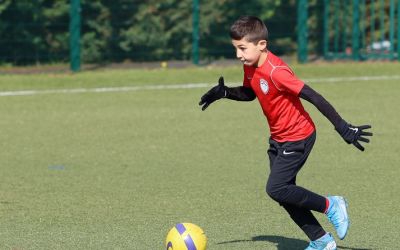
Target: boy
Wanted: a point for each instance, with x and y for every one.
(293, 134)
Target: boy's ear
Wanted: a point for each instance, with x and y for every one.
(262, 44)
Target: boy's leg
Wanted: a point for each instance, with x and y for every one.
(286, 159)
(283, 177)
(306, 221)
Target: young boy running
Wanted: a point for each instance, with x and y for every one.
(273, 83)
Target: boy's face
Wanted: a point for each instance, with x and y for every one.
(247, 52)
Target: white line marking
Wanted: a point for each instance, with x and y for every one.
(179, 86)
(102, 90)
(354, 78)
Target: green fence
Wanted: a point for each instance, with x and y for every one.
(351, 29)
(101, 31)
(361, 30)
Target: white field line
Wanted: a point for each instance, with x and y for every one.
(102, 90)
(180, 86)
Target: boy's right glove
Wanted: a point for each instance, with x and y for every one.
(353, 134)
(215, 93)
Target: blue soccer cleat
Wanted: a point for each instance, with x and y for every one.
(337, 215)
(326, 242)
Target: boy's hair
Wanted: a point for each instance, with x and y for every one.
(250, 27)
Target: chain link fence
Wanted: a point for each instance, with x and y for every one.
(103, 31)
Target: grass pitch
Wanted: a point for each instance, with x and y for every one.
(116, 170)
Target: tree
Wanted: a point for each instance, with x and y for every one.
(139, 30)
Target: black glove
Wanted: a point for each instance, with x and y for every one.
(353, 134)
(214, 94)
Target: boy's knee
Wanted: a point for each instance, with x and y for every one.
(274, 191)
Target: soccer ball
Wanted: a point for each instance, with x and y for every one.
(186, 236)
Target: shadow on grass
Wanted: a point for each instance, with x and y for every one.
(283, 243)
(353, 248)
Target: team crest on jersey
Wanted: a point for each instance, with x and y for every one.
(264, 86)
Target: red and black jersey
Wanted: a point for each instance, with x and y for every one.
(277, 89)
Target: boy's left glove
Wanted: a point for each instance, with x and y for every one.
(215, 93)
(353, 134)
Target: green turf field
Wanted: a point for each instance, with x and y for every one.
(116, 170)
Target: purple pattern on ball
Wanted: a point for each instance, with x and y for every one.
(188, 240)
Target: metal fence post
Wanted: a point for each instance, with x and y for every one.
(74, 35)
(302, 30)
(195, 32)
(326, 29)
(373, 25)
(363, 24)
(382, 22)
(336, 25)
(356, 31)
(398, 30)
(391, 28)
(345, 18)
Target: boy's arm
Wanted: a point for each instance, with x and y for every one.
(321, 104)
(351, 134)
(240, 93)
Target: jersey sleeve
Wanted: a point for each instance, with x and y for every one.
(285, 80)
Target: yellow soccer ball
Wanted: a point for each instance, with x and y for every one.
(186, 236)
